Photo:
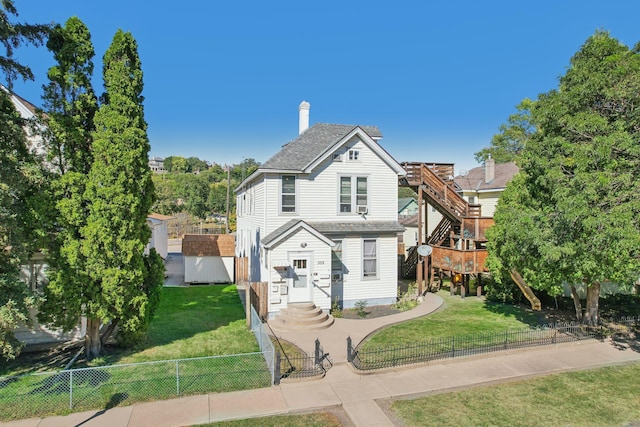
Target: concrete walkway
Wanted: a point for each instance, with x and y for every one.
(357, 396)
(334, 338)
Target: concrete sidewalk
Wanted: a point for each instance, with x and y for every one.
(355, 395)
(334, 338)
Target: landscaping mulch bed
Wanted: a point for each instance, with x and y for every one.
(371, 312)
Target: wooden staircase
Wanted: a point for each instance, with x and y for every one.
(301, 317)
(458, 239)
(438, 193)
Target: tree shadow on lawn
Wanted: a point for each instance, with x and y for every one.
(518, 312)
(184, 313)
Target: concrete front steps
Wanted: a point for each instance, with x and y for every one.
(300, 317)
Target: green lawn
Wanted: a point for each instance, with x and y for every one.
(599, 397)
(191, 322)
(468, 316)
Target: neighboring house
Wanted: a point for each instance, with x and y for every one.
(28, 111)
(317, 222)
(156, 164)
(33, 274)
(208, 258)
(159, 225)
(407, 206)
(409, 237)
(483, 185)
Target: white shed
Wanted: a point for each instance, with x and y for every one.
(208, 258)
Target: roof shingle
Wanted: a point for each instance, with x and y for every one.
(311, 144)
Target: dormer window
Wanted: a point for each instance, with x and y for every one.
(354, 155)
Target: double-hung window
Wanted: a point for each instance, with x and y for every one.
(288, 194)
(369, 258)
(353, 193)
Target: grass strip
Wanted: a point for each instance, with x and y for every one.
(598, 397)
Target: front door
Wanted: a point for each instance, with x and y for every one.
(300, 279)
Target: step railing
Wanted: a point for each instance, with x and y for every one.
(438, 193)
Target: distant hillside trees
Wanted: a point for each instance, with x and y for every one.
(199, 194)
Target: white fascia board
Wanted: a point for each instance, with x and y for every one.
(298, 226)
(261, 171)
(370, 142)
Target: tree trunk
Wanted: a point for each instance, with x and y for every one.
(108, 332)
(593, 304)
(92, 344)
(576, 303)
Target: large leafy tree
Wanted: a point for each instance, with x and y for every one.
(71, 105)
(20, 181)
(572, 215)
(120, 194)
(507, 145)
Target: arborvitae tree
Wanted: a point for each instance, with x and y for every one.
(70, 104)
(572, 215)
(120, 194)
(20, 178)
(69, 98)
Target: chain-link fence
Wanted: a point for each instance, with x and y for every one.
(264, 341)
(107, 386)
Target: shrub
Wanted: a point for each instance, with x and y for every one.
(336, 309)
(361, 308)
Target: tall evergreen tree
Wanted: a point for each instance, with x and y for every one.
(20, 178)
(572, 215)
(120, 194)
(70, 104)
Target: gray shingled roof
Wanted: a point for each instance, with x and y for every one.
(357, 227)
(311, 144)
(474, 180)
(375, 227)
(266, 240)
(404, 202)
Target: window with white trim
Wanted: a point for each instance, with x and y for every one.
(353, 193)
(354, 155)
(288, 194)
(370, 258)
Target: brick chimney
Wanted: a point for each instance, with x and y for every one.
(303, 110)
(489, 170)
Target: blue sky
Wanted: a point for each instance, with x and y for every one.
(223, 79)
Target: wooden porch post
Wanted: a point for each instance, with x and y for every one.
(421, 214)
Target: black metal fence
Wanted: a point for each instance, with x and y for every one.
(302, 365)
(459, 346)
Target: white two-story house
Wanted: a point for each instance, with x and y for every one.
(318, 220)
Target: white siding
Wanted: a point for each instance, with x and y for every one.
(383, 289)
(489, 201)
(319, 254)
(317, 198)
